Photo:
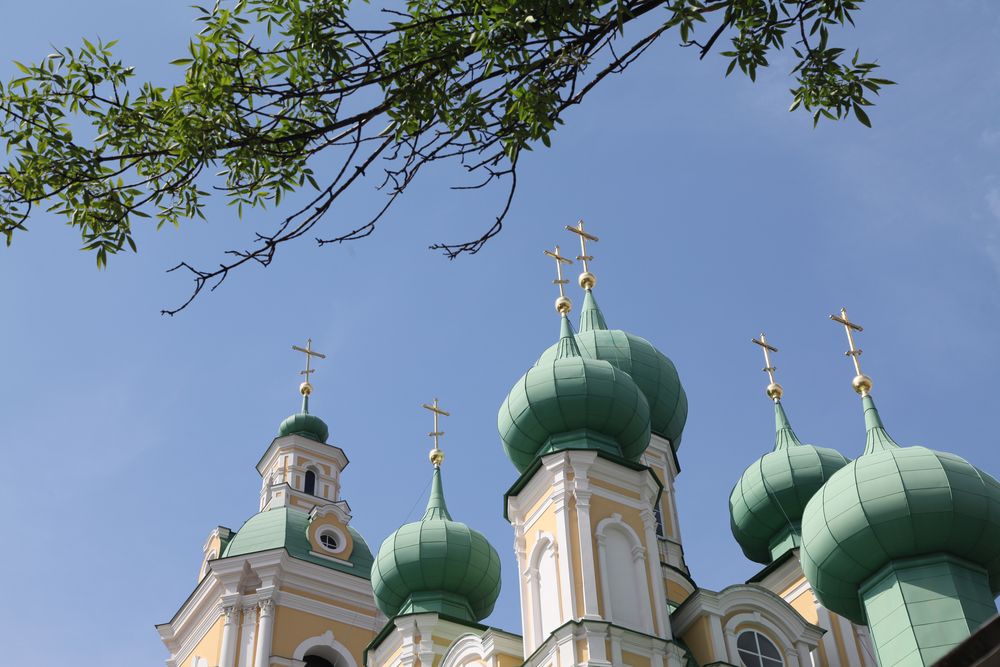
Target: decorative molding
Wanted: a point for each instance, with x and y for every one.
(325, 641)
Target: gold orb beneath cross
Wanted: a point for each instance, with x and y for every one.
(774, 391)
(587, 280)
(564, 305)
(305, 389)
(436, 456)
(862, 384)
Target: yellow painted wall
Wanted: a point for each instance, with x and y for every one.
(631, 493)
(209, 645)
(698, 638)
(676, 592)
(292, 627)
(635, 660)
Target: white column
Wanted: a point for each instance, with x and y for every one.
(589, 573)
(264, 633)
(227, 652)
(247, 633)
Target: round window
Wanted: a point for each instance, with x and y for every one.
(329, 541)
(756, 650)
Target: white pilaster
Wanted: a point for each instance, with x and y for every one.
(661, 625)
(590, 607)
(247, 633)
(564, 555)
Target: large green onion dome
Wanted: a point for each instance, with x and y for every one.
(893, 503)
(651, 370)
(437, 565)
(305, 424)
(766, 505)
(571, 401)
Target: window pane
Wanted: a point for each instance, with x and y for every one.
(749, 659)
(746, 642)
(767, 647)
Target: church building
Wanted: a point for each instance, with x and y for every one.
(890, 559)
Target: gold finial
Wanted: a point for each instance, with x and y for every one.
(861, 382)
(306, 387)
(774, 389)
(436, 455)
(563, 304)
(587, 279)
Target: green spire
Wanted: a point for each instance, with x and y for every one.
(784, 436)
(567, 346)
(878, 439)
(436, 506)
(591, 317)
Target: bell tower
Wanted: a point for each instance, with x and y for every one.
(576, 428)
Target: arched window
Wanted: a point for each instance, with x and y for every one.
(756, 650)
(548, 592)
(310, 485)
(620, 568)
(317, 661)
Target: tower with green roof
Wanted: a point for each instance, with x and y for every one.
(905, 540)
(435, 576)
(577, 428)
(295, 566)
(766, 504)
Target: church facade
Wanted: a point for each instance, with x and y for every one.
(890, 559)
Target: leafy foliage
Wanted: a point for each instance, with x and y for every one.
(269, 85)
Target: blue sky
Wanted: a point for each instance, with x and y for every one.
(129, 435)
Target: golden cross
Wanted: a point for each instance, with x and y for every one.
(774, 389)
(310, 353)
(436, 454)
(584, 237)
(861, 382)
(850, 328)
(563, 304)
(768, 349)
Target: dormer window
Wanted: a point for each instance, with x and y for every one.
(329, 540)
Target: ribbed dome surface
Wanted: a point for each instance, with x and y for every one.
(571, 401)
(892, 503)
(437, 564)
(766, 505)
(652, 371)
(306, 425)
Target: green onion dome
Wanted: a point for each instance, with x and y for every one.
(891, 503)
(651, 370)
(305, 424)
(437, 565)
(573, 402)
(766, 505)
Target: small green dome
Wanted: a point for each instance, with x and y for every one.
(651, 370)
(437, 565)
(305, 424)
(891, 503)
(571, 401)
(766, 505)
(288, 528)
